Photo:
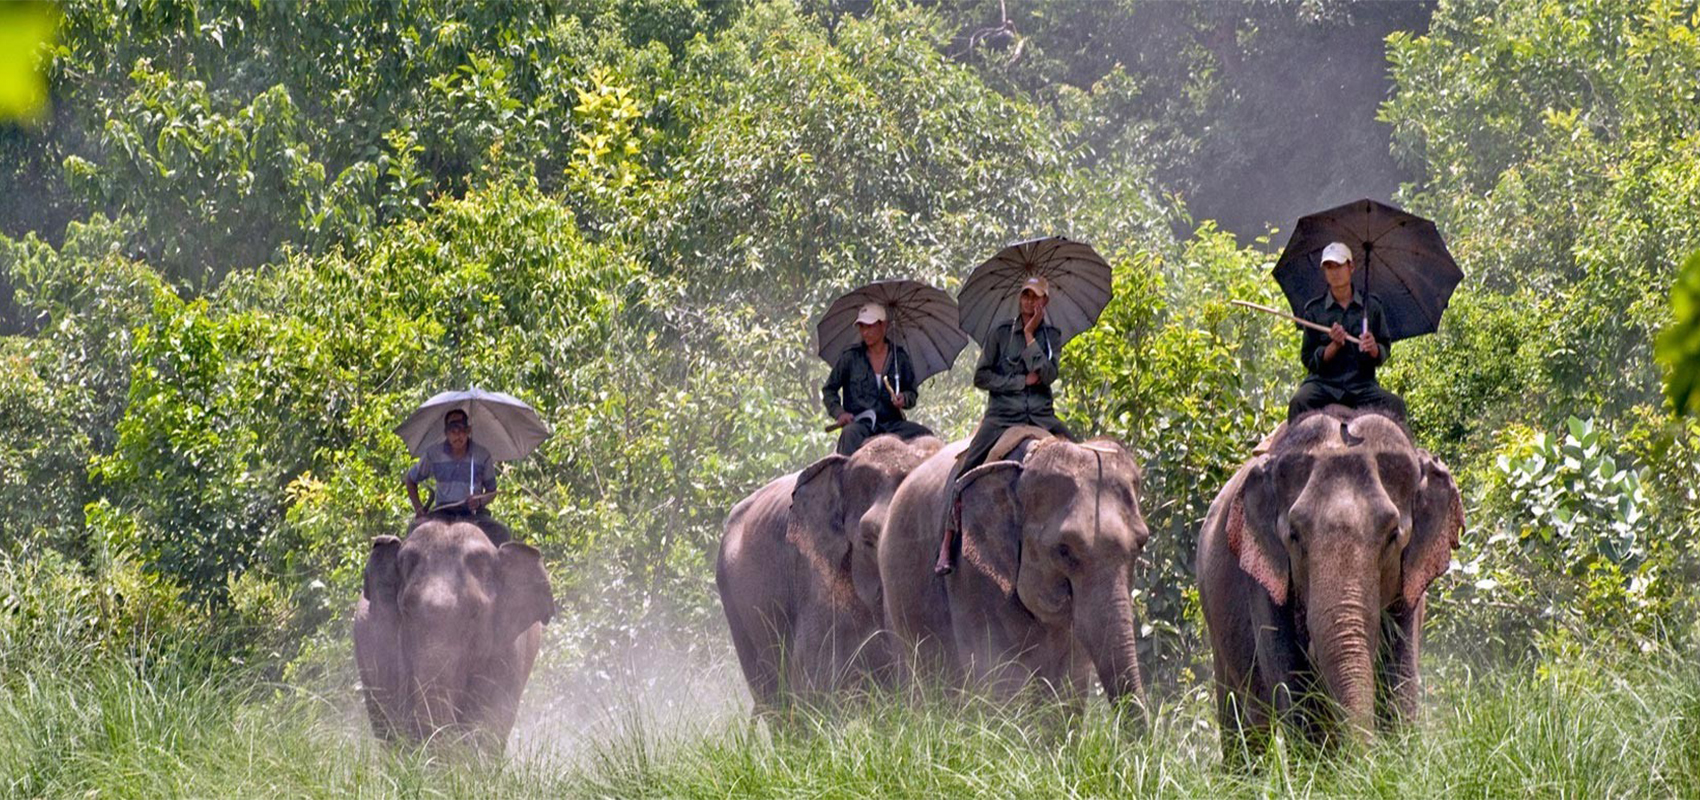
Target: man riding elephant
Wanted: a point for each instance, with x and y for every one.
(457, 466)
(1339, 372)
(1017, 366)
(876, 381)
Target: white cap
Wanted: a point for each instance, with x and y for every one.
(870, 314)
(1337, 252)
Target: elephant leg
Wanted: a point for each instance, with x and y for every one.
(377, 653)
(493, 691)
(1282, 668)
(1242, 716)
(1400, 681)
(760, 651)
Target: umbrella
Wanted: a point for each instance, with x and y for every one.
(919, 319)
(502, 423)
(1400, 259)
(1079, 278)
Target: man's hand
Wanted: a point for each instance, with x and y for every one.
(1032, 378)
(845, 418)
(1367, 345)
(1337, 334)
(1031, 327)
(897, 400)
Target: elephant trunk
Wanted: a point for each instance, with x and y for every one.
(436, 679)
(1104, 624)
(1344, 635)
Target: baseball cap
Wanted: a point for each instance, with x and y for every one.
(870, 314)
(1336, 252)
(1037, 285)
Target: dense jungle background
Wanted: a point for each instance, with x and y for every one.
(245, 239)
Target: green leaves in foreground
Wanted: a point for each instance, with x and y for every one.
(24, 28)
(1679, 345)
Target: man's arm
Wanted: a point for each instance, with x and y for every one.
(486, 486)
(986, 377)
(1378, 328)
(1038, 361)
(411, 480)
(908, 391)
(829, 391)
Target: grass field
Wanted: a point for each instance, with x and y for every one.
(109, 727)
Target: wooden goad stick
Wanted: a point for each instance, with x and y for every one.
(1284, 315)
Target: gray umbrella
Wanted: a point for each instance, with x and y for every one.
(1079, 278)
(919, 319)
(502, 423)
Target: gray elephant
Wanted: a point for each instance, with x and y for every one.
(1042, 589)
(1312, 567)
(798, 578)
(445, 633)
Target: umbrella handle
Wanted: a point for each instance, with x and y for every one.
(834, 426)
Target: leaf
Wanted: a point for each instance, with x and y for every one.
(1678, 347)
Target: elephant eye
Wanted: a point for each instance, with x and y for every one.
(1065, 554)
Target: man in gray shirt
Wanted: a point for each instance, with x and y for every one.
(458, 466)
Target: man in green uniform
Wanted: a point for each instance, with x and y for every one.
(1017, 366)
(876, 381)
(1339, 371)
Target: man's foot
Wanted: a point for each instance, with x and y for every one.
(943, 566)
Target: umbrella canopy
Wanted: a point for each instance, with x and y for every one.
(919, 319)
(1079, 278)
(1400, 259)
(502, 423)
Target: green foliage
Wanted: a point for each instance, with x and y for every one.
(1556, 149)
(1679, 344)
(26, 30)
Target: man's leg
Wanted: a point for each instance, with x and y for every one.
(985, 437)
(1056, 427)
(496, 531)
(1310, 397)
(905, 429)
(1377, 397)
(851, 437)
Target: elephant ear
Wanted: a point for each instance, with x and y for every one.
(817, 512)
(524, 597)
(1436, 522)
(991, 522)
(1253, 523)
(382, 581)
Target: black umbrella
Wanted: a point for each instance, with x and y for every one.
(921, 320)
(1079, 277)
(1400, 259)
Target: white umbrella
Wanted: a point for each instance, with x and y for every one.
(501, 423)
(1079, 278)
(919, 318)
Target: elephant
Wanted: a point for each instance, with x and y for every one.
(446, 631)
(1042, 591)
(1313, 563)
(798, 576)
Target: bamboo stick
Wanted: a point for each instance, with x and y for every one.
(1305, 322)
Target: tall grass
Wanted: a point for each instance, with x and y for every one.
(116, 727)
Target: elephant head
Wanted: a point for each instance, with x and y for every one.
(447, 629)
(839, 505)
(1344, 520)
(1058, 534)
